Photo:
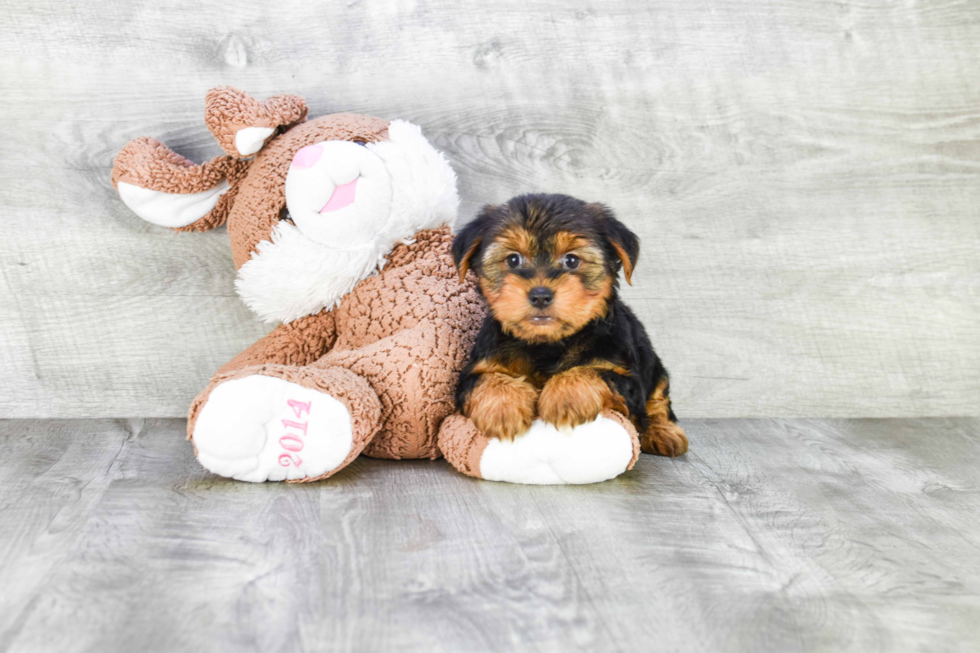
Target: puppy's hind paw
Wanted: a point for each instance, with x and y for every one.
(664, 439)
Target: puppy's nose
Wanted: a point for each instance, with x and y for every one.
(540, 297)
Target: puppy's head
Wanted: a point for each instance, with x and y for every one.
(547, 264)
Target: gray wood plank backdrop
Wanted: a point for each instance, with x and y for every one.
(803, 175)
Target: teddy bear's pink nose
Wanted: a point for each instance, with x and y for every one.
(307, 157)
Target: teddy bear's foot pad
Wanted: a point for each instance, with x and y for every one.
(261, 428)
(545, 455)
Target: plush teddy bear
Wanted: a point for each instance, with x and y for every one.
(340, 230)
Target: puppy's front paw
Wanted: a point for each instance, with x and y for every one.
(574, 397)
(501, 406)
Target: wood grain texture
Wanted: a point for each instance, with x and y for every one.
(805, 179)
(771, 535)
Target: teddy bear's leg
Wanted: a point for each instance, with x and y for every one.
(544, 455)
(414, 375)
(282, 423)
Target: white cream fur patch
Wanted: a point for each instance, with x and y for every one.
(170, 209)
(250, 140)
(545, 455)
(261, 428)
(292, 276)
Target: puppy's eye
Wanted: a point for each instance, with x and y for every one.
(514, 261)
(361, 143)
(571, 261)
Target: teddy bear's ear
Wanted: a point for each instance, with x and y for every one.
(166, 189)
(242, 125)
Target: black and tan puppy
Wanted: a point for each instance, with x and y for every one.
(558, 343)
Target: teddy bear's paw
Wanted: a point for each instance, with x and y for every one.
(261, 428)
(545, 455)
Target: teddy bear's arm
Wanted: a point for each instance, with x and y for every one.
(242, 125)
(299, 342)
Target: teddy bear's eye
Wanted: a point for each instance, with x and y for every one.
(361, 143)
(513, 261)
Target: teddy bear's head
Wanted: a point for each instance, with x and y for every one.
(312, 207)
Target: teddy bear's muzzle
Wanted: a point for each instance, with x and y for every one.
(338, 193)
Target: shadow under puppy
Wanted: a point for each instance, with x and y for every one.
(558, 343)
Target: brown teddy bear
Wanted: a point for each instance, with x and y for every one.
(340, 230)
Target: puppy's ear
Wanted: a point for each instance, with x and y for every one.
(469, 240)
(623, 241)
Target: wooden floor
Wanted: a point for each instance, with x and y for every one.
(770, 535)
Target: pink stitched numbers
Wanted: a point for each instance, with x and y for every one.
(292, 442)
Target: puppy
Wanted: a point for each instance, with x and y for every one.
(557, 342)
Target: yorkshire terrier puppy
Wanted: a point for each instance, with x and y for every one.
(557, 342)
